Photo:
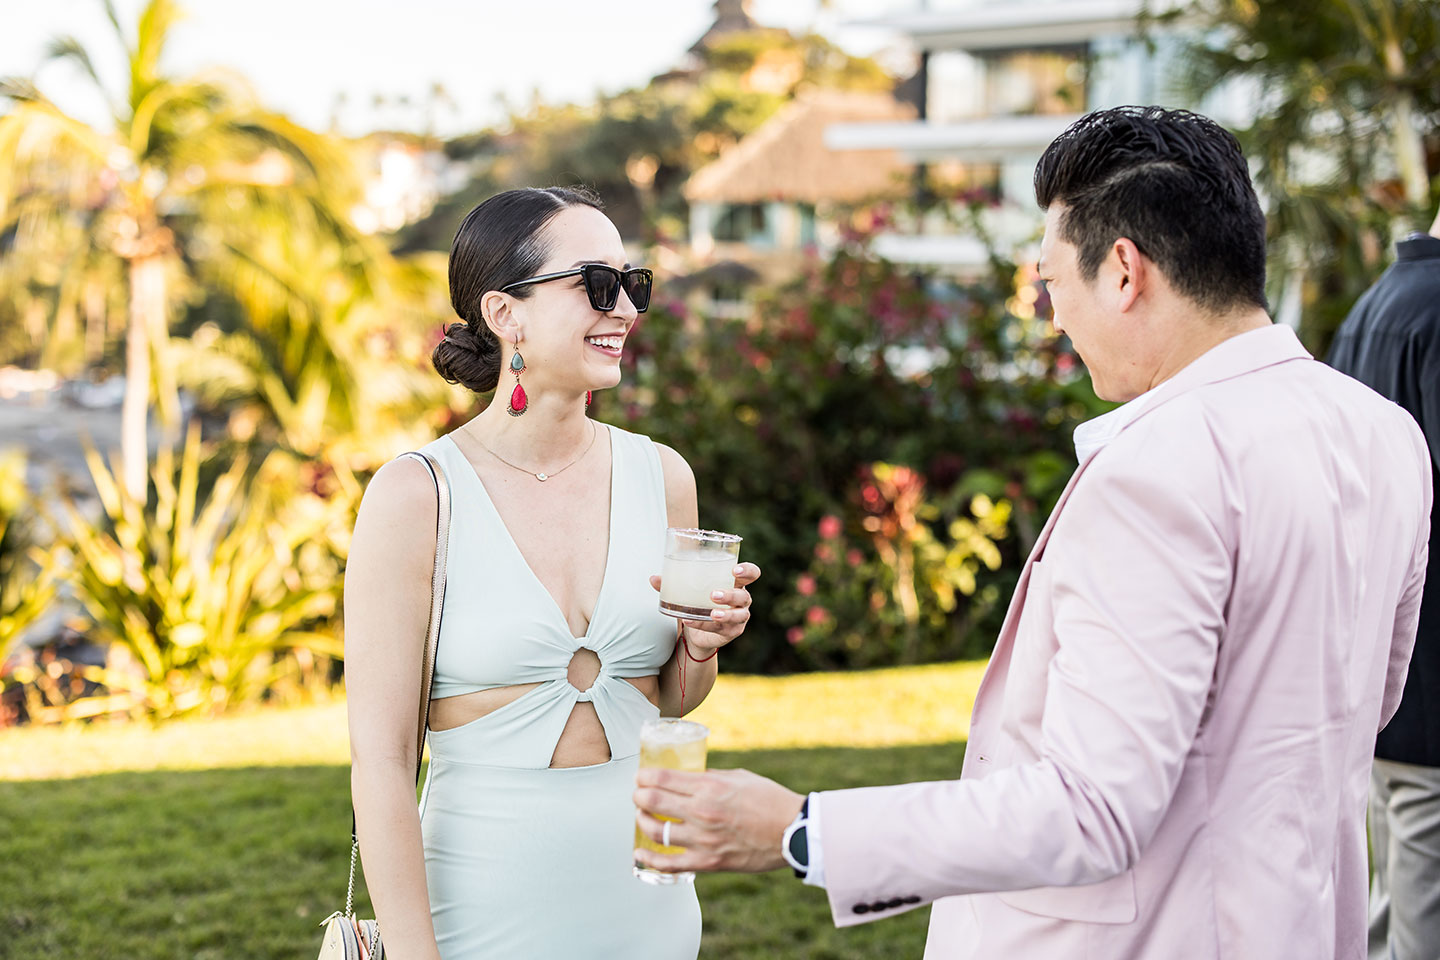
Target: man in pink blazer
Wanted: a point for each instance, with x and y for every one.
(1170, 752)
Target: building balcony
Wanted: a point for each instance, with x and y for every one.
(1000, 26)
(985, 140)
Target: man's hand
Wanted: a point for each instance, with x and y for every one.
(733, 819)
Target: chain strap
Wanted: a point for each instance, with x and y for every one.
(350, 887)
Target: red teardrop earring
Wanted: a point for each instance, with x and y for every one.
(518, 400)
(587, 399)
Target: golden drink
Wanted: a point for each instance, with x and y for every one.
(669, 744)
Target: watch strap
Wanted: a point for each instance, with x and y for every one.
(794, 847)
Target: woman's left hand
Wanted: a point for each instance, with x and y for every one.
(726, 622)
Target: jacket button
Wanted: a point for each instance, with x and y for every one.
(895, 902)
(879, 905)
(860, 908)
(911, 899)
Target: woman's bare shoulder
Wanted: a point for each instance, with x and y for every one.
(400, 501)
(680, 495)
(675, 467)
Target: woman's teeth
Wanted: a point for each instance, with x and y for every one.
(609, 343)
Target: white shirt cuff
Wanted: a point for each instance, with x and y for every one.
(815, 876)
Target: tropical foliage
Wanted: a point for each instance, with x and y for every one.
(885, 399)
(888, 440)
(27, 581)
(196, 186)
(217, 591)
(1344, 91)
(637, 148)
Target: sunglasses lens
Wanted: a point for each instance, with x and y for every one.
(603, 285)
(637, 288)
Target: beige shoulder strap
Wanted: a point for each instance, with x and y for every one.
(437, 597)
(432, 641)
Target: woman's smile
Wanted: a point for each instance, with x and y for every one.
(608, 344)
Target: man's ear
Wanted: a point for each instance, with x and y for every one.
(1132, 272)
(500, 316)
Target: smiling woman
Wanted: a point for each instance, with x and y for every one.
(552, 650)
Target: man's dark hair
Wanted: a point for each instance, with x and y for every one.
(1175, 184)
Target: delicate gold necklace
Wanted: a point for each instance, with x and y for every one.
(542, 477)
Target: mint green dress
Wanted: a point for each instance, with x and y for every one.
(523, 860)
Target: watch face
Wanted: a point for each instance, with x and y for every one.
(799, 848)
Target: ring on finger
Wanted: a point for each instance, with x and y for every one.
(665, 835)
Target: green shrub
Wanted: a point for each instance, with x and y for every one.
(205, 597)
(784, 414)
(27, 581)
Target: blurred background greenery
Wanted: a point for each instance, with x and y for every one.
(215, 324)
(888, 432)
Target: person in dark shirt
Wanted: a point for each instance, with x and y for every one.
(1391, 342)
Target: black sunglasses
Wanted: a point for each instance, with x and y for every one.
(603, 284)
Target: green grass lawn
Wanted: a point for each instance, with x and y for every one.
(220, 864)
(223, 860)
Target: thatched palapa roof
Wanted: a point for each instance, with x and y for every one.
(787, 160)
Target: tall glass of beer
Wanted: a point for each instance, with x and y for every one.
(669, 744)
(697, 563)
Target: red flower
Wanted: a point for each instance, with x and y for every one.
(853, 557)
(817, 615)
(806, 585)
(795, 635)
(830, 526)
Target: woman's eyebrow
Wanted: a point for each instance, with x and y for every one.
(581, 263)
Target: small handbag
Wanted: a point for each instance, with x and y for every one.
(346, 936)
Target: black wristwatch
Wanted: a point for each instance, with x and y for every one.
(794, 847)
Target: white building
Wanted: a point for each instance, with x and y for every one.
(1000, 79)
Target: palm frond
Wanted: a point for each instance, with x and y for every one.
(156, 21)
(20, 90)
(109, 7)
(69, 48)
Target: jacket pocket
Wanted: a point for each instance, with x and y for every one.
(1109, 901)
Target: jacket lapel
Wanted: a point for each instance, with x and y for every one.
(1235, 357)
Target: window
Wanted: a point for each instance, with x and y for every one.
(743, 223)
(807, 225)
(1027, 82)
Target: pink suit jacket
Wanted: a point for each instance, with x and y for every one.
(1169, 753)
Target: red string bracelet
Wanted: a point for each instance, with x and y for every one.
(713, 653)
(680, 665)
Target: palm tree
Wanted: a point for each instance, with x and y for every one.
(1343, 91)
(172, 193)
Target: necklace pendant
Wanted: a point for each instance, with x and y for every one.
(542, 477)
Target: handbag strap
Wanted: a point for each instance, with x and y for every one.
(437, 599)
(432, 641)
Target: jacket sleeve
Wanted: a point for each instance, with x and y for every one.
(1407, 612)
(1138, 575)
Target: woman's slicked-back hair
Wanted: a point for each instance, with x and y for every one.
(1173, 182)
(499, 242)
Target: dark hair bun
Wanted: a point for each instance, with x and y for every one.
(499, 243)
(470, 356)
